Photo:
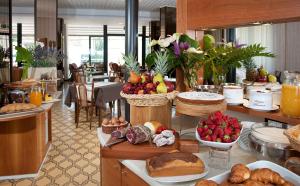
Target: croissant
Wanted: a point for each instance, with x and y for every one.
(239, 173)
(266, 175)
(253, 183)
(286, 183)
(206, 183)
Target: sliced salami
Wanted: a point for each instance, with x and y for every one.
(138, 134)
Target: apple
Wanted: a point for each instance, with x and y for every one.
(262, 79)
(150, 86)
(127, 87)
(145, 77)
(170, 86)
(140, 92)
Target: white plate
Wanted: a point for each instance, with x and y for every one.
(205, 96)
(52, 101)
(216, 144)
(246, 104)
(178, 179)
(285, 173)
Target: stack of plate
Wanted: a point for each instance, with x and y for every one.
(244, 137)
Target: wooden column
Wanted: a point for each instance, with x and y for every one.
(45, 20)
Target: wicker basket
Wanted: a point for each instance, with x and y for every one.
(291, 134)
(108, 129)
(149, 99)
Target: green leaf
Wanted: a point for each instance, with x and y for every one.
(190, 41)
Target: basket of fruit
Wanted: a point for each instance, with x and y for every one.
(219, 131)
(148, 89)
(293, 135)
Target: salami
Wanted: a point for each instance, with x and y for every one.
(119, 133)
(138, 134)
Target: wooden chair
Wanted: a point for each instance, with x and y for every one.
(85, 101)
(79, 78)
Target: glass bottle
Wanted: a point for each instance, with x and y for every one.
(290, 98)
(35, 96)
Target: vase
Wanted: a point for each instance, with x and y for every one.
(183, 84)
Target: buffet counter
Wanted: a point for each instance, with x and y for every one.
(25, 139)
(133, 172)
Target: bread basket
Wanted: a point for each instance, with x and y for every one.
(149, 99)
(291, 135)
(108, 129)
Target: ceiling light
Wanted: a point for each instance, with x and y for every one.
(256, 23)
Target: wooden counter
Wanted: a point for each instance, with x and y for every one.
(24, 142)
(275, 116)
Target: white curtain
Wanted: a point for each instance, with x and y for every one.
(281, 39)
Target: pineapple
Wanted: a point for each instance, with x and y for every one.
(134, 69)
(161, 66)
(251, 72)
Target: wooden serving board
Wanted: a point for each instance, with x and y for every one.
(142, 151)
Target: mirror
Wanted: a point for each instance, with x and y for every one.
(282, 39)
(4, 42)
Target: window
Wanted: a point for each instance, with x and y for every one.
(78, 49)
(116, 47)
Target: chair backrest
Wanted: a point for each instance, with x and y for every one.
(82, 95)
(80, 77)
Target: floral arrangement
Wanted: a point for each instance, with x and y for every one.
(183, 52)
(38, 56)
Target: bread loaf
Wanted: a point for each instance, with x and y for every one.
(174, 164)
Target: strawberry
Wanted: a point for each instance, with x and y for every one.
(219, 132)
(227, 131)
(199, 130)
(219, 140)
(236, 125)
(207, 138)
(213, 138)
(212, 126)
(205, 128)
(202, 135)
(237, 131)
(226, 139)
(234, 137)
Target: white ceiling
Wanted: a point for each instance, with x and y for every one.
(144, 5)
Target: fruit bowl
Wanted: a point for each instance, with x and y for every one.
(219, 131)
(149, 99)
(219, 145)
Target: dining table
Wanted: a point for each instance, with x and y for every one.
(104, 92)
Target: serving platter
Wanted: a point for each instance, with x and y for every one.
(285, 173)
(200, 97)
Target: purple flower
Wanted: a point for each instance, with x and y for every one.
(176, 49)
(237, 45)
(184, 45)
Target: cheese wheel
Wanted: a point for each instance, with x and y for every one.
(153, 126)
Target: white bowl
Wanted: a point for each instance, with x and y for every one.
(218, 145)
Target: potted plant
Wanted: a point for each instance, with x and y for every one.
(38, 61)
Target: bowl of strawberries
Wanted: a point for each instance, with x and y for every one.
(219, 131)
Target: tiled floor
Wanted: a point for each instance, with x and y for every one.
(74, 155)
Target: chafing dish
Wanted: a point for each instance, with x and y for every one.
(275, 151)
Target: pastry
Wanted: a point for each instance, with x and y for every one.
(153, 126)
(266, 175)
(15, 107)
(253, 183)
(206, 183)
(108, 126)
(174, 164)
(239, 173)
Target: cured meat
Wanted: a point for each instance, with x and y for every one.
(138, 134)
(119, 133)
